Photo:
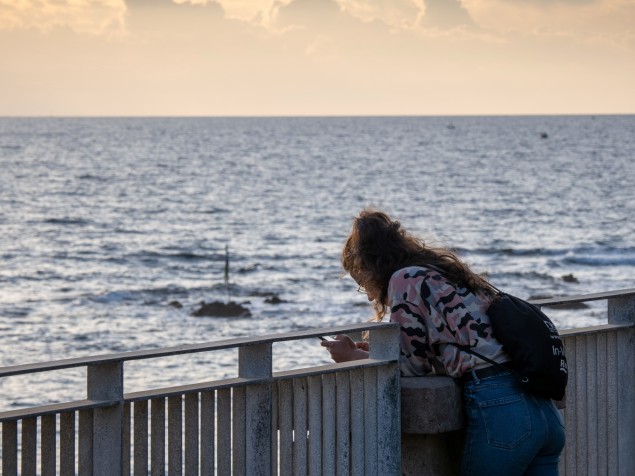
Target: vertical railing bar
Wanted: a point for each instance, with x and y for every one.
(207, 433)
(48, 445)
(223, 431)
(85, 443)
(315, 425)
(329, 424)
(157, 437)
(126, 441)
(357, 404)
(9, 448)
(141, 438)
(569, 454)
(581, 407)
(611, 401)
(602, 426)
(175, 435)
(625, 399)
(67, 444)
(275, 427)
(370, 421)
(299, 427)
(191, 434)
(239, 436)
(258, 431)
(285, 414)
(388, 420)
(591, 415)
(29, 446)
(343, 421)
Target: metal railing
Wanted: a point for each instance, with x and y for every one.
(331, 419)
(599, 408)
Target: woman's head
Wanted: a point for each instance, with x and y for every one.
(377, 246)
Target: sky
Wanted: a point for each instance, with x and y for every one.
(316, 57)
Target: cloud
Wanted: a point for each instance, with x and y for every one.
(549, 3)
(445, 14)
(86, 16)
(396, 13)
(306, 13)
(164, 17)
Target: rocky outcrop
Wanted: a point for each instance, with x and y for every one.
(221, 309)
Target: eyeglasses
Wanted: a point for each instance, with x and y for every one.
(360, 289)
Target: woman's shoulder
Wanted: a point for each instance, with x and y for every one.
(414, 273)
(414, 277)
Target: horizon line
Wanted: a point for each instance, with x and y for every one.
(298, 116)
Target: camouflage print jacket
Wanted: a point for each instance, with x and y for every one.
(433, 312)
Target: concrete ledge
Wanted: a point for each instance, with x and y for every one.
(431, 405)
(432, 423)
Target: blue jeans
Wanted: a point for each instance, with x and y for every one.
(510, 432)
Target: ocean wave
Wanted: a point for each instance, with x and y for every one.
(214, 211)
(67, 221)
(606, 260)
(507, 251)
(92, 177)
(179, 255)
(118, 296)
(527, 275)
(566, 253)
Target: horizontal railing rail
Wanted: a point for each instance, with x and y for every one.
(182, 349)
(604, 296)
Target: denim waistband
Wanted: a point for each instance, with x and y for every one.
(490, 371)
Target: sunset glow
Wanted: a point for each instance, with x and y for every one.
(316, 57)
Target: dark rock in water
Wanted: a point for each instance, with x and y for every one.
(570, 278)
(221, 309)
(274, 300)
(175, 304)
(265, 294)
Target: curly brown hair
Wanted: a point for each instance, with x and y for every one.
(377, 246)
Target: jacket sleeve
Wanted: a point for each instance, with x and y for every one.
(411, 310)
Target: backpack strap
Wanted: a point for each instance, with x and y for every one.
(469, 350)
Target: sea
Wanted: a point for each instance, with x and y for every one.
(114, 230)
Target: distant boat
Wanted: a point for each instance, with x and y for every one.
(451, 126)
(544, 135)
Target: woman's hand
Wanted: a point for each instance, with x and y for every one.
(364, 345)
(344, 349)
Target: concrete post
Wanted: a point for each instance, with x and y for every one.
(621, 310)
(105, 382)
(255, 361)
(432, 423)
(384, 345)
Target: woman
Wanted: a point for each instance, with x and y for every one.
(440, 303)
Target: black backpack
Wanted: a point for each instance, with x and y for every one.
(532, 342)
